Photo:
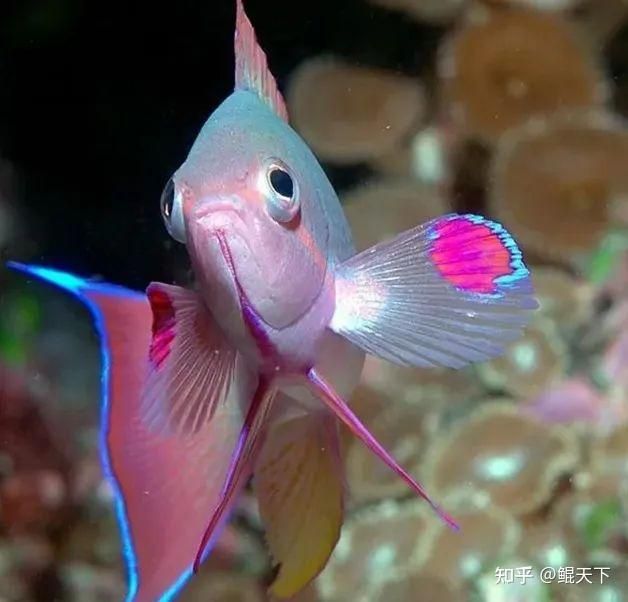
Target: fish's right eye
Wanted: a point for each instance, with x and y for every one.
(167, 200)
(172, 211)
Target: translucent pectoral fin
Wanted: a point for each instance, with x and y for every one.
(191, 365)
(452, 291)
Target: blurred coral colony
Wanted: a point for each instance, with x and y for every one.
(514, 117)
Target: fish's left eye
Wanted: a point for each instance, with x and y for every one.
(282, 192)
(281, 182)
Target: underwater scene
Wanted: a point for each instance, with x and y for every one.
(314, 302)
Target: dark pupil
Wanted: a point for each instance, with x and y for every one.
(282, 182)
(167, 199)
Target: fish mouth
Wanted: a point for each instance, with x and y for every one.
(253, 320)
(245, 303)
(215, 219)
(219, 235)
(216, 211)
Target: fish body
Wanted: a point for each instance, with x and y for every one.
(241, 255)
(247, 375)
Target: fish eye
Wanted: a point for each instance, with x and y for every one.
(172, 211)
(282, 192)
(167, 200)
(281, 182)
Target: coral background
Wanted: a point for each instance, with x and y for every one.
(515, 109)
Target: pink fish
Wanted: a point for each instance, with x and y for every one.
(248, 374)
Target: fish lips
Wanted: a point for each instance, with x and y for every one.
(214, 231)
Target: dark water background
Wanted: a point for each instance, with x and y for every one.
(101, 101)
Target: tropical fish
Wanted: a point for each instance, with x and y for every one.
(247, 375)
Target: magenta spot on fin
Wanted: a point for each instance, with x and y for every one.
(475, 254)
(163, 326)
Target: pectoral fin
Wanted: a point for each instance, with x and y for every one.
(191, 364)
(452, 291)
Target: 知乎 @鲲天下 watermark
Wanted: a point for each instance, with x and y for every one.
(549, 574)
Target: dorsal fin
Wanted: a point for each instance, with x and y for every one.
(251, 69)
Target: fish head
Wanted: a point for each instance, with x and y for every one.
(246, 203)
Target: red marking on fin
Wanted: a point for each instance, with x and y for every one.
(344, 413)
(251, 69)
(163, 326)
(473, 253)
(192, 364)
(162, 484)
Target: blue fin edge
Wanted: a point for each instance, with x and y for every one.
(74, 285)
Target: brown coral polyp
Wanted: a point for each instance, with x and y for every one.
(514, 458)
(418, 386)
(487, 533)
(563, 298)
(555, 181)
(499, 70)
(373, 543)
(405, 431)
(350, 114)
(530, 364)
